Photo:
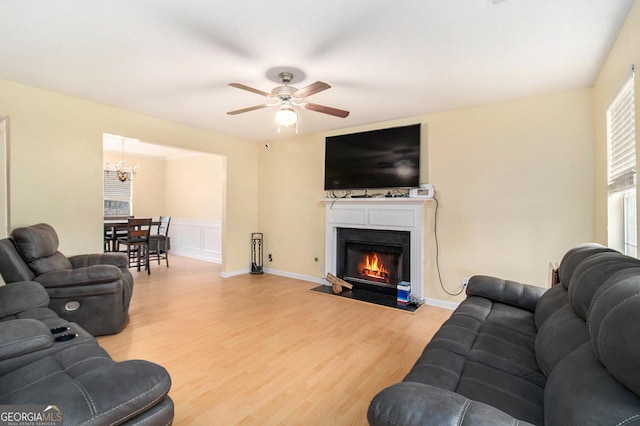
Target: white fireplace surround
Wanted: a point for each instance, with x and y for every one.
(399, 214)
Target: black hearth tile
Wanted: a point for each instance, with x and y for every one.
(369, 297)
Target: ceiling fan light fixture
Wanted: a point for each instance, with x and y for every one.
(286, 116)
(286, 97)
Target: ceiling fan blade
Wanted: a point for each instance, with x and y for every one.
(325, 109)
(252, 108)
(311, 89)
(250, 89)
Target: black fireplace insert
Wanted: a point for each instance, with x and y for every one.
(373, 259)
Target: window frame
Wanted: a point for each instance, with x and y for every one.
(621, 169)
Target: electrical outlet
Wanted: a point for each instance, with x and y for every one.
(465, 281)
(270, 257)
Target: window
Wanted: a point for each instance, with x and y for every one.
(117, 195)
(621, 141)
(630, 221)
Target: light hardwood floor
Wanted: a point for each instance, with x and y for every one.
(265, 350)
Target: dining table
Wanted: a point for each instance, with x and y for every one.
(115, 228)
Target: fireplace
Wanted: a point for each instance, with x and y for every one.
(380, 214)
(373, 259)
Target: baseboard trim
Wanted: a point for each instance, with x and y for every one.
(213, 257)
(302, 277)
(441, 303)
(235, 273)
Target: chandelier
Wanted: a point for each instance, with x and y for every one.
(121, 168)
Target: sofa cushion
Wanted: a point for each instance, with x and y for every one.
(88, 386)
(55, 262)
(438, 367)
(505, 291)
(12, 266)
(427, 405)
(23, 336)
(591, 274)
(38, 245)
(510, 393)
(552, 300)
(21, 297)
(580, 391)
(566, 329)
(36, 241)
(574, 257)
(508, 351)
(559, 335)
(506, 342)
(613, 325)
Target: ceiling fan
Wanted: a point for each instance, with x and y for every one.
(287, 97)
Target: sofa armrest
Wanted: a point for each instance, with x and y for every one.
(22, 296)
(412, 403)
(23, 336)
(524, 296)
(96, 274)
(84, 260)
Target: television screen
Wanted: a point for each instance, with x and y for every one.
(386, 158)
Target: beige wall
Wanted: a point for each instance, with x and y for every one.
(614, 73)
(56, 167)
(514, 182)
(148, 191)
(194, 187)
(291, 185)
(189, 187)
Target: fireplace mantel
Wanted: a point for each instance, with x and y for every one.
(402, 213)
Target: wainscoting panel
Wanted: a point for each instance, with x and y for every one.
(196, 239)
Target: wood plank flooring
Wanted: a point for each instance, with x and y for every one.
(265, 350)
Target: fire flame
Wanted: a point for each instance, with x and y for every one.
(373, 268)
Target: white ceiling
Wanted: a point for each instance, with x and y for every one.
(385, 59)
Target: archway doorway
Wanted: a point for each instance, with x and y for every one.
(186, 185)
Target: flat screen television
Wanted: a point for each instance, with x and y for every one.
(385, 158)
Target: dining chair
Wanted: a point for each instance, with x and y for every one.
(159, 242)
(137, 243)
(112, 230)
(108, 239)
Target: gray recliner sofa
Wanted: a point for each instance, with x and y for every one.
(48, 361)
(92, 290)
(517, 354)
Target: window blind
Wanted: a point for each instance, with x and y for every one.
(621, 136)
(114, 189)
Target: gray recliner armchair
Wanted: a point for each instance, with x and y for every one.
(48, 361)
(93, 290)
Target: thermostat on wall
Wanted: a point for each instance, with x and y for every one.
(424, 191)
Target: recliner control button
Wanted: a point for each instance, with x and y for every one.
(74, 305)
